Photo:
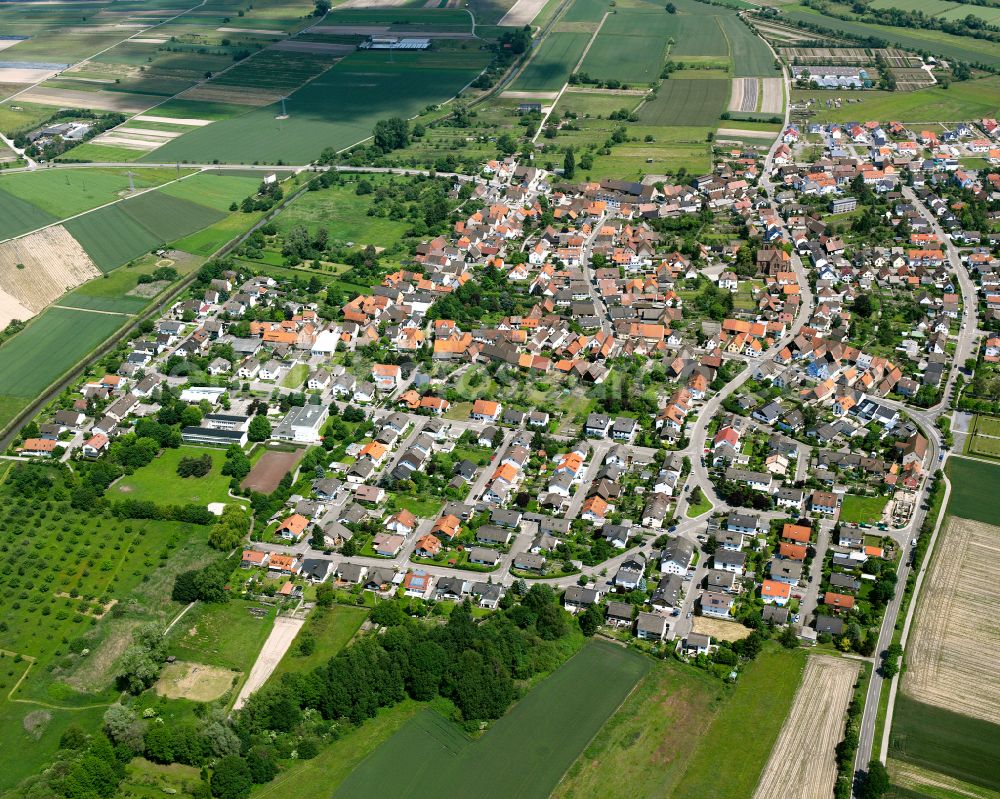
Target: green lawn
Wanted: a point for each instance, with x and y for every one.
(733, 751)
(296, 376)
(331, 628)
(698, 508)
(862, 510)
(423, 507)
(523, 754)
(971, 481)
(221, 635)
(159, 481)
(641, 752)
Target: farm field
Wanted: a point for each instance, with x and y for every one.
(862, 510)
(594, 103)
(954, 644)
(272, 466)
(119, 233)
(942, 741)
(751, 57)
(65, 336)
(63, 687)
(937, 42)
(65, 192)
(642, 750)
(216, 190)
(159, 481)
(18, 216)
(552, 63)
(431, 756)
(686, 102)
(37, 268)
(803, 755)
(586, 11)
(331, 629)
(262, 79)
(961, 101)
(970, 482)
(337, 109)
(730, 756)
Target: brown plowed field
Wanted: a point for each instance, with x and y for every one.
(268, 471)
(951, 657)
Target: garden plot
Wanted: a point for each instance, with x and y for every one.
(37, 269)
(745, 94)
(773, 96)
(803, 755)
(951, 658)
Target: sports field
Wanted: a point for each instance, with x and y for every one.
(523, 754)
(686, 102)
(551, 65)
(337, 109)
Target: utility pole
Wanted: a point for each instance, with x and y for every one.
(131, 181)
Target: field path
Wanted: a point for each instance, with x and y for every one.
(282, 634)
(91, 310)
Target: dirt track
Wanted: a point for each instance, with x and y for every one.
(802, 764)
(277, 643)
(951, 657)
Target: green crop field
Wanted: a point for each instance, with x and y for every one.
(411, 18)
(66, 192)
(966, 100)
(629, 59)
(111, 236)
(586, 11)
(18, 216)
(159, 481)
(118, 233)
(687, 102)
(751, 57)
(552, 63)
(169, 217)
(667, 713)
(217, 190)
(331, 629)
(51, 344)
(970, 482)
(699, 34)
(733, 751)
(947, 742)
(867, 510)
(523, 754)
(72, 564)
(338, 109)
(277, 70)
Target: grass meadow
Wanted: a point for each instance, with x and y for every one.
(641, 751)
(733, 751)
(159, 481)
(331, 628)
(862, 510)
(523, 754)
(226, 635)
